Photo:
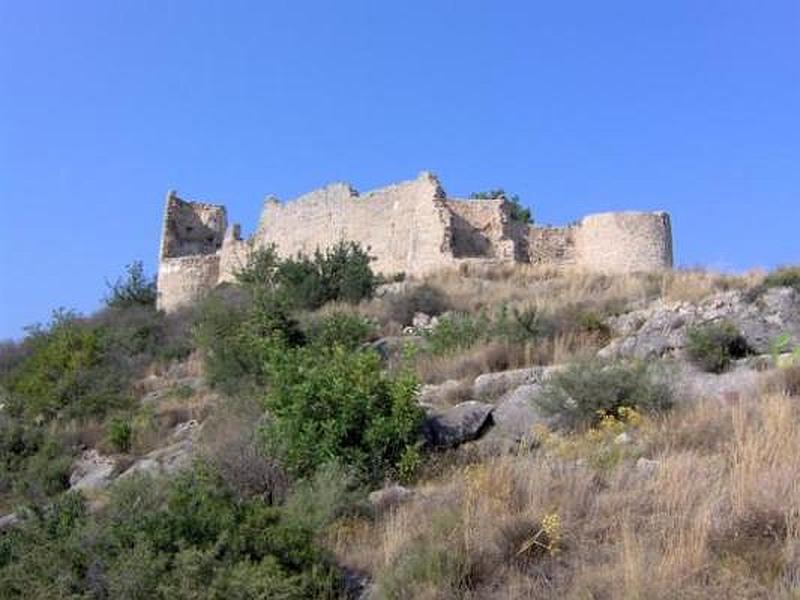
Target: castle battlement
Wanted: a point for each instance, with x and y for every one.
(410, 227)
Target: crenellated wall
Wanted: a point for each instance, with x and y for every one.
(410, 227)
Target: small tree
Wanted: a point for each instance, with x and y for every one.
(584, 392)
(133, 289)
(713, 346)
(259, 269)
(337, 404)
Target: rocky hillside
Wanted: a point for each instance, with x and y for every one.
(314, 432)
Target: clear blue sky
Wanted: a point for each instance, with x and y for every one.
(688, 106)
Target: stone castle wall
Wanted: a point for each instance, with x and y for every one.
(405, 226)
(552, 245)
(477, 227)
(410, 227)
(191, 228)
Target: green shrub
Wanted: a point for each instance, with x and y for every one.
(186, 538)
(133, 289)
(260, 269)
(33, 464)
(591, 322)
(519, 326)
(69, 373)
(236, 331)
(328, 404)
(712, 346)
(136, 336)
(340, 328)
(457, 331)
(584, 392)
(788, 276)
(342, 272)
(120, 434)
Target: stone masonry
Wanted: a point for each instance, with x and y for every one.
(410, 227)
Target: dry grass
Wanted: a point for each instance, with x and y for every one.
(694, 285)
(475, 287)
(717, 518)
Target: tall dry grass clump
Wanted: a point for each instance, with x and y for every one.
(699, 518)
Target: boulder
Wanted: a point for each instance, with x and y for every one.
(170, 459)
(443, 394)
(461, 423)
(514, 418)
(163, 461)
(492, 385)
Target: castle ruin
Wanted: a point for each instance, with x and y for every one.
(410, 227)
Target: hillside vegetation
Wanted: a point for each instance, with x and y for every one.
(530, 433)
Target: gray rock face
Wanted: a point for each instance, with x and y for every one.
(172, 458)
(92, 471)
(8, 521)
(661, 329)
(461, 423)
(492, 385)
(440, 395)
(163, 461)
(514, 418)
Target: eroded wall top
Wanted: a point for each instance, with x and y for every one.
(406, 226)
(191, 228)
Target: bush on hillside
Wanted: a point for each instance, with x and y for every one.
(133, 289)
(340, 328)
(713, 346)
(341, 272)
(457, 331)
(521, 326)
(186, 538)
(236, 330)
(584, 392)
(337, 404)
(33, 464)
(788, 276)
(120, 434)
(68, 373)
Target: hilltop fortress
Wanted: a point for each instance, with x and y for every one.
(411, 227)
